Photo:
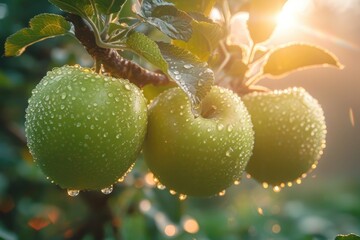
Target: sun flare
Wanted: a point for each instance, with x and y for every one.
(290, 14)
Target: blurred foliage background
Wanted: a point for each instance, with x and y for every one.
(324, 205)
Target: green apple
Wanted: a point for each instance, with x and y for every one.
(85, 130)
(290, 135)
(198, 156)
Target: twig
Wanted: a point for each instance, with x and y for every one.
(112, 62)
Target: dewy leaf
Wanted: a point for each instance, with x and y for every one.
(347, 237)
(148, 49)
(167, 18)
(263, 18)
(192, 75)
(291, 57)
(79, 7)
(201, 6)
(42, 26)
(109, 6)
(204, 40)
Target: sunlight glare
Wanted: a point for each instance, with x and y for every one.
(288, 17)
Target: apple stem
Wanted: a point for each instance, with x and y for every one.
(112, 62)
(208, 112)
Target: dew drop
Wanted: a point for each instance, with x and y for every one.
(160, 186)
(222, 193)
(229, 128)
(228, 152)
(72, 192)
(127, 87)
(62, 107)
(188, 66)
(182, 197)
(236, 182)
(220, 127)
(277, 189)
(177, 77)
(107, 190)
(83, 89)
(121, 179)
(172, 192)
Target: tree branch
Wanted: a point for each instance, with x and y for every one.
(112, 62)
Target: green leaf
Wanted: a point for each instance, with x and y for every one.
(80, 7)
(204, 40)
(296, 56)
(167, 18)
(200, 6)
(347, 237)
(263, 18)
(42, 26)
(109, 6)
(192, 75)
(148, 49)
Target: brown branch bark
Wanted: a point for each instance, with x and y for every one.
(112, 62)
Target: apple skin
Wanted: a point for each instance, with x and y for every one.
(85, 130)
(198, 156)
(290, 135)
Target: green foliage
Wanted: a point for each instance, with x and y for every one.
(82, 8)
(204, 39)
(347, 237)
(147, 48)
(42, 26)
(167, 18)
(200, 6)
(293, 57)
(192, 75)
(109, 6)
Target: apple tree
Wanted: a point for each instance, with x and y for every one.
(168, 86)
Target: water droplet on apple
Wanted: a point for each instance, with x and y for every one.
(182, 197)
(188, 66)
(160, 186)
(222, 193)
(107, 190)
(72, 192)
(127, 87)
(220, 126)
